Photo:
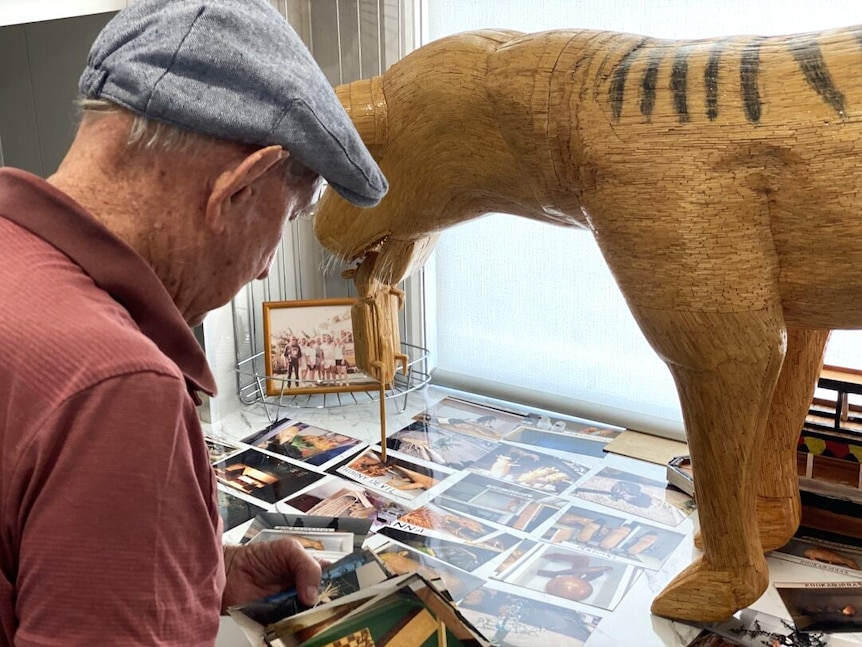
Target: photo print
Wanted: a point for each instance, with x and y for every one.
(571, 576)
(579, 426)
(468, 556)
(506, 504)
(339, 497)
(637, 495)
(460, 416)
(235, 511)
(511, 620)
(302, 442)
(394, 476)
(399, 559)
(630, 540)
(309, 348)
(349, 574)
(751, 628)
(589, 442)
(305, 523)
(830, 607)
(706, 638)
(531, 468)
(454, 450)
(263, 476)
(825, 555)
(430, 519)
(323, 546)
(220, 448)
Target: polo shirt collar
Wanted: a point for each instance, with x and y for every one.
(50, 214)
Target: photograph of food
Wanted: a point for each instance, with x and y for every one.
(571, 575)
(531, 468)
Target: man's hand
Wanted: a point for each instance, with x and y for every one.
(256, 570)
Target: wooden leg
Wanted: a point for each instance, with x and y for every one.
(725, 367)
(778, 506)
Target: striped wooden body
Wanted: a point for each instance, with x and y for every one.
(722, 181)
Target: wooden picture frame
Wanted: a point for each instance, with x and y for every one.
(322, 329)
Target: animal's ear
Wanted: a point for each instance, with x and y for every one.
(233, 186)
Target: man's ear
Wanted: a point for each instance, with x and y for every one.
(231, 187)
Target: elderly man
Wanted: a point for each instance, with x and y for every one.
(206, 125)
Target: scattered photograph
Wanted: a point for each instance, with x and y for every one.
(394, 476)
(302, 442)
(263, 476)
(454, 450)
(589, 428)
(403, 610)
(430, 519)
(309, 524)
(706, 638)
(309, 348)
(507, 504)
(825, 555)
(751, 628)
(400, 560)
(570, 575)
(452, 414)
(637, 495)
(340, 497)
(353, 572)
(511, 620)
(533, 469)
(220, 448)
(468, 556)
(830, 607)
(235, 511)
(631, 540)
(323, 546)
(589, 441)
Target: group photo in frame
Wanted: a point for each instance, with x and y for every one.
(309, 348)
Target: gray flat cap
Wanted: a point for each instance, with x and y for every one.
(235, 70)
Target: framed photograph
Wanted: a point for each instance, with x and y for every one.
(309, 348)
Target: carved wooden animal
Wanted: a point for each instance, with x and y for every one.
(723, 182)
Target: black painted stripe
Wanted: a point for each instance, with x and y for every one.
(679, 82)
(649, 81)
(807, 53)
(617, 88)
(710, 80)
(749, 68)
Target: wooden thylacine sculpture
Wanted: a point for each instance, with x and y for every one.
(723, 182)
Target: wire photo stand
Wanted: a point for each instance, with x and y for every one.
(252, 381)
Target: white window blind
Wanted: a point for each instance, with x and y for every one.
(529, 312)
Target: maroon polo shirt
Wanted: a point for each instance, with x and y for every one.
(109, 525)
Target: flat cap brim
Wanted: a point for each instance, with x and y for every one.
(234, 70)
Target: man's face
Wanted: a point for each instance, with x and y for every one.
(245, 249)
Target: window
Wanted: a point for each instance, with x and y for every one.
(529, 312)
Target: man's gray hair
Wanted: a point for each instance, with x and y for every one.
(151, 135)
(148, 134)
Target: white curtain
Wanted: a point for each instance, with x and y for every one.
(529, 312)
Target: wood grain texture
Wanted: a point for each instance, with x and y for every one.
(721, 179)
